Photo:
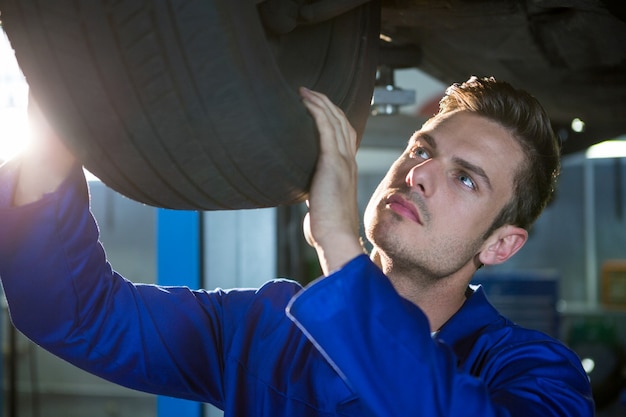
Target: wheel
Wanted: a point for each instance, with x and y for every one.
(192, 104)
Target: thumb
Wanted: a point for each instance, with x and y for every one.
(306, 227)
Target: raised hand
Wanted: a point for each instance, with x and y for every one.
(332, 223)
(45, 165)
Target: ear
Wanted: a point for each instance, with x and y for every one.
(502, 244)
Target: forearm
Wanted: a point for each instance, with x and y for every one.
(336, 254)
(41, 245)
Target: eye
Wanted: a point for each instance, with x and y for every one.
(467, 181)
(420, 152)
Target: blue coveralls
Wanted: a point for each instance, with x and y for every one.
(348, 345)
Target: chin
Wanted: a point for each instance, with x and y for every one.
(382, 235)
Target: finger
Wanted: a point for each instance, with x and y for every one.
(329, 128)
(336, 114)
(332, 111)
(328, 116)
(306, 229)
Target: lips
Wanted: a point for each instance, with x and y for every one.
(400, 205)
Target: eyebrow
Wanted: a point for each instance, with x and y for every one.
(463, 163)
(475, 169)
(430, 141)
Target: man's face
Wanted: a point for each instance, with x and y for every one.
(441, 195)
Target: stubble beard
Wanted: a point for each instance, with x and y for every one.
(427, 265)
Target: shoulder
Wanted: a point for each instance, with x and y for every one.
(508, 338)
(511, 354)
(492, 347)
(273, 296)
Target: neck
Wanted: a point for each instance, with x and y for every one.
(439, 298)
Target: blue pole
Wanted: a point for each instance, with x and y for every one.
(179, 262)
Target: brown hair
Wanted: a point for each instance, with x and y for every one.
(520, 113)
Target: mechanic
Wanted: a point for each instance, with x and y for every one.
(397, 333)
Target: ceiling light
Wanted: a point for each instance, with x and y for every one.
(578, 125)
(608, 149)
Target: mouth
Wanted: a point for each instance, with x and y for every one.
(403, 207)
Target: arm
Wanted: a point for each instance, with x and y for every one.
(64, 295)
(332, 223)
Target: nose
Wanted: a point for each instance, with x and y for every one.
(421, 177)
